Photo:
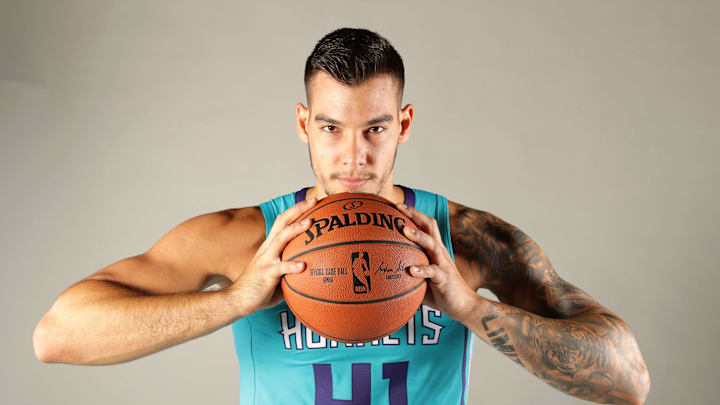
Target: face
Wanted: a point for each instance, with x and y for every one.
(353, 134)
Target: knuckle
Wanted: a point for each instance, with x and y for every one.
(282, 223)
(294, 231)
(286, 233)
(275, 271)
(281, 217)
(421, 239)
(281, 234)
(285, 216)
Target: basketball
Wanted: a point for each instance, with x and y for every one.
(356, 285)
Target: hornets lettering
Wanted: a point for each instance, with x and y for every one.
(295, 336)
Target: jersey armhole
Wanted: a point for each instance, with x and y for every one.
(272, 208)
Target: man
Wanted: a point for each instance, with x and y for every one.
(353, 125)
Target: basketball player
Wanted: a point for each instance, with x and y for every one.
(353, 124)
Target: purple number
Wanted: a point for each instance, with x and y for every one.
(397, 374)
(360, 385)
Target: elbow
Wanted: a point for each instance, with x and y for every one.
(50, 343)
(640, 387)
(643, 385)
(42, 344)
(642, 381)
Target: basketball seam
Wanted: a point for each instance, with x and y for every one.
(354, 302)
(356, 242)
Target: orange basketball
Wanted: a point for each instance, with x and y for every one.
(356, 285)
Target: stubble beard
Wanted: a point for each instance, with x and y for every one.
(324, 183)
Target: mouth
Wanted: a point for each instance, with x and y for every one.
(353, 183)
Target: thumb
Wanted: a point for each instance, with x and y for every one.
(427, 271)
(282, 268)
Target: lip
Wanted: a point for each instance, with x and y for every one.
(353, 183)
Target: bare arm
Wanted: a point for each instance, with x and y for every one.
(145, 303)
(97, 322)
(552, 328)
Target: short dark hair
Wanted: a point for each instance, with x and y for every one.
(354, 55)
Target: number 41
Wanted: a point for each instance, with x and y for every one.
(395, 372)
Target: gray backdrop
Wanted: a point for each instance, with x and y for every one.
(591, 125)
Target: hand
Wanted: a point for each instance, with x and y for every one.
(258, 286)
(448, 291)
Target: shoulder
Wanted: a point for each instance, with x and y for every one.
(482, 243)
(464, 220)
(221, 227)
(224, 241)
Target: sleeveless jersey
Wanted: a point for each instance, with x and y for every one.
(425, 362)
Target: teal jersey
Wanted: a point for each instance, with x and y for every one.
(425, 362)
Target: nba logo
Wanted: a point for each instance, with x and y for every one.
(361, 272)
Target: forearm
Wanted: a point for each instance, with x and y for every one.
(593, 356)
(98, 322)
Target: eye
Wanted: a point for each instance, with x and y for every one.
(376, 130)
(332, 128)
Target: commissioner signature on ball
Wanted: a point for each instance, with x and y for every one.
(385, 269)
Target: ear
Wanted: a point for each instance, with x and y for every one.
(302, 119)
(406, 117)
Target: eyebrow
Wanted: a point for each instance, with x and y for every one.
(378, 120)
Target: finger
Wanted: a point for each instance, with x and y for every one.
(434, 247)
(280, 269)
(285, 235)
(289, 216)
(431, 272)
(283, 219)
(424, 222)
(429, 225)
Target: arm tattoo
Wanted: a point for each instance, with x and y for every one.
(550, 327)
(499, 340)
(514, 267)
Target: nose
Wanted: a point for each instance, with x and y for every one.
(355, 150)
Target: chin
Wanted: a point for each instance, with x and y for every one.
(365, 188)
